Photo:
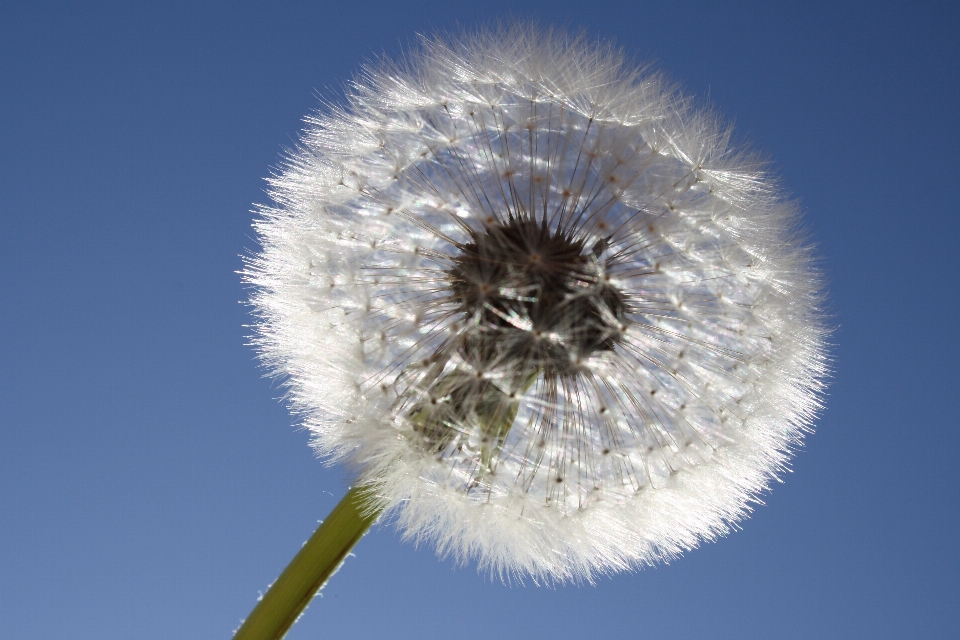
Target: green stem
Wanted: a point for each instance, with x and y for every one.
(310, 569)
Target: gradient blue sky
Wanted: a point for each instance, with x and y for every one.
(150, 481)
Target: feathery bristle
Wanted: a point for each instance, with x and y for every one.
(557, 322)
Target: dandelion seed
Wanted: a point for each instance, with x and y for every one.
(555, 321)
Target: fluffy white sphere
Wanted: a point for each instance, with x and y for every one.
(533, 295)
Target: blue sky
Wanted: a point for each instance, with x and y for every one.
(150, 481)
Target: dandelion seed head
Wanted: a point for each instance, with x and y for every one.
(554, 319)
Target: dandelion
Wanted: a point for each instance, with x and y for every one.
(556, 323)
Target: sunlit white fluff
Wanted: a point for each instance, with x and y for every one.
(603, 412)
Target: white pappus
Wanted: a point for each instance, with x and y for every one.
(552, 317)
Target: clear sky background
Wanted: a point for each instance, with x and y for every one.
(150, 481)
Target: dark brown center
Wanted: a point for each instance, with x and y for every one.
(534, 296)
